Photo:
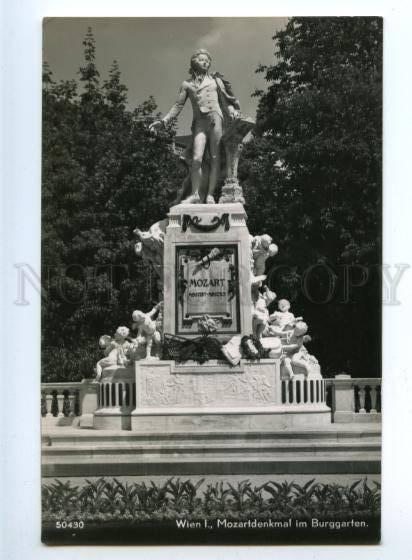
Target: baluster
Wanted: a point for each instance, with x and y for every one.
(305, 391)
(362, 398)
(71, 396)
(43, 404)
(49, 401)
(60, 405)
(374, 399)
(54, 406)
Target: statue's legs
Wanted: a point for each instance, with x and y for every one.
(215, 137)
(199, 145)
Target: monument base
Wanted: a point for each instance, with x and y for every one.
(217, 397)
(226, 422)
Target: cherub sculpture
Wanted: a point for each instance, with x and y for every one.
(303, 360)
(148, 333)
(116, 350)
(292, 344)
(260, 313)
(282, 320)
(262, 248)
(150, 246)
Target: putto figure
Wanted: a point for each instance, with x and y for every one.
(213, 105)
(260, 313)
(283, 319)
(147, 332)
(116, 350)
(261, 248)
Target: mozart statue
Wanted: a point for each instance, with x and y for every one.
(214, 108)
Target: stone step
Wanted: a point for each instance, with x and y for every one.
(80, 437)
(134, 465)
(189, 449)
(335, 449)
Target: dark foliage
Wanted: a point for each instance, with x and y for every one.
(106, 500)
(312, 176)
(103, 175)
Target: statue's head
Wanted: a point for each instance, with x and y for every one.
(283, 305)
(273, 250)
(300, 329)
(121, 333)
(138, 316)
(200, 61)
(104, 341)
(265, 241)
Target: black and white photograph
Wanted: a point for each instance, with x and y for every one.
(211, 254)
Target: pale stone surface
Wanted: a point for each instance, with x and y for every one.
(215, 111)
(220, 397)
(116, 390)
(260, 313)
(234, 140)
(343, 397)
(323, 449)
(157, 387)
(229, 421)
(262, 248)
(115, 350)
(220, 227)
(88, 402)
(150, 247)
(282, 320)
(146, 345)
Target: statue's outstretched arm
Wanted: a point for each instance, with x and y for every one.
(178, 106)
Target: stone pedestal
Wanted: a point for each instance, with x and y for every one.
(88, 402)
(343, 398)
(216, 397)
(116, 397)
(207, 269)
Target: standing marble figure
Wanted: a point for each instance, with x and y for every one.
(213, 103)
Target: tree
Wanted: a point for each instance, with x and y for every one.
(103, 174)
(316, 159)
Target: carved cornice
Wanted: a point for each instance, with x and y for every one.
(195, 222)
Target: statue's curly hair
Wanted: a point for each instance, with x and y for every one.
(192, 70)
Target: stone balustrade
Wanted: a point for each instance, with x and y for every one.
(300, 391)
(354, 399)
(69, 402)
(350, 399)
(60, 400)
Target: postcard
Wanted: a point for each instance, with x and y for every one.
(211, 257)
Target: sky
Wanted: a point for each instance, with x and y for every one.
(154, 53)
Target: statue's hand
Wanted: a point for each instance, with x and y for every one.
(234, 113)
(156, 125)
